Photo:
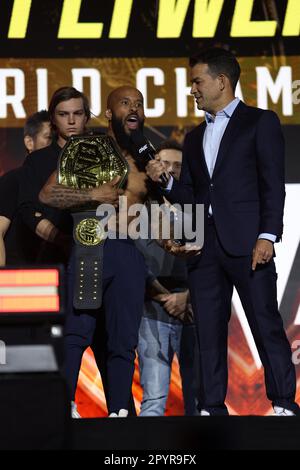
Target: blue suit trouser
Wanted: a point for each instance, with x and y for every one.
(212, 276)
(120, 315)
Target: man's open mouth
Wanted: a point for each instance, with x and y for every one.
(132, 122)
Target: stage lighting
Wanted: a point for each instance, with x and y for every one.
(30, 290)
(34, 398)
(31, 314)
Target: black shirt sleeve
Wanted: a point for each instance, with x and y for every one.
(9, 190)
(37, 168)
(29, 205)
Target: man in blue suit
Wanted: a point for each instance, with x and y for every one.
(233, 162)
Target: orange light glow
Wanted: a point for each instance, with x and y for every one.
(29, 277)
(29, 304)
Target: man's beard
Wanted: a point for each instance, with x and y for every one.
(123, 139)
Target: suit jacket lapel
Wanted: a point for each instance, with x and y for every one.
(200, 144)
(229, 134)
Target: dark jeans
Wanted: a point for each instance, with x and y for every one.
(123, 298)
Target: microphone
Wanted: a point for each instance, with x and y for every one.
(145, 151)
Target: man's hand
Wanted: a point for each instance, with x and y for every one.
(65, 197)
(262, 252)
(108, 193)
(155, 168)
(182, 251)
(175, 304)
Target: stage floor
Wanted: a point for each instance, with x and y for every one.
(187, 433)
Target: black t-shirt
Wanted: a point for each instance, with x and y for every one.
(37, 168)
(9, 193)
(21, 244)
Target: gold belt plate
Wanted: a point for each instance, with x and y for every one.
(89, 232)
(90, 161)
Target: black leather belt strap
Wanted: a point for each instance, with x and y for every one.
(89, 242)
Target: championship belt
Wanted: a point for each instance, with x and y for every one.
(88, 162)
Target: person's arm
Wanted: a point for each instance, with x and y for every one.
(8, 207)
(46, 230)
(262, 252)
(30, 210)
(63, 197)
(50, 233)
(4, 225)
(271, 180)
(181, 191)
(155, 290)
(176, 303)
(181, 251)
(34, 216)
(271, 174)
(162, 216)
